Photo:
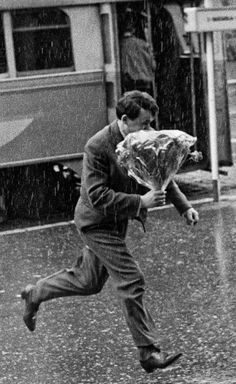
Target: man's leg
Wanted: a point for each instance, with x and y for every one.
(128, 280)
(86, 277)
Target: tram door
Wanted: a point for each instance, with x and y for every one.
(152, 59)
(158, 57)
(137, 61)
(178, 80)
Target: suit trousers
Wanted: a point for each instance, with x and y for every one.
(104, 255)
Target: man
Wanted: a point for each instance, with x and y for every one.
(137, 61)
(108, 199)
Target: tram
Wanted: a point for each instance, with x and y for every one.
(61, 76)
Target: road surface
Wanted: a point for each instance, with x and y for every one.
(190, 276)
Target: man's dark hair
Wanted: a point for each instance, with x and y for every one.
(132, 102)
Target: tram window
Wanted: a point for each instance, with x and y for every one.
(3, 60)
(42, 40)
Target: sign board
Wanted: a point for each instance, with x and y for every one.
(210, 19)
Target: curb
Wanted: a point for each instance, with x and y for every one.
(71, 222)
(36, 228)
(199, 201)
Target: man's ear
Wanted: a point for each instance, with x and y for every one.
(124, 119)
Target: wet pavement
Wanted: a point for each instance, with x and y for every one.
(190, 276)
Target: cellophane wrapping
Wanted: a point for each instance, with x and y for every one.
(153, 158)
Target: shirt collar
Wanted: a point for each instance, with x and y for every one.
(119, 125)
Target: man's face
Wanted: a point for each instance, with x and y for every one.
(142, 122)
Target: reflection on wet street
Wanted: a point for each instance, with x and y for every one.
(191, 291)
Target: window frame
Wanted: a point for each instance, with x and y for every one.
(3, 53)
(11, 51)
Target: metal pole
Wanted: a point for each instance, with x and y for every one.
(212, 110)
(193, 94)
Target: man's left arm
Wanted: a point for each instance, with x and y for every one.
(181, 203)
(191, 216)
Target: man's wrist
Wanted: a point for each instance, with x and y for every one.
(139, 207)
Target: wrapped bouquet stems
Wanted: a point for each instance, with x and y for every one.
(152, 157)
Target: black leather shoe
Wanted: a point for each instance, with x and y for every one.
(159, 360)
(31, 308)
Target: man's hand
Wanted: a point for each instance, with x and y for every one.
(191, 216)
(153, 199)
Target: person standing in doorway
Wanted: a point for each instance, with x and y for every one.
(137, 62)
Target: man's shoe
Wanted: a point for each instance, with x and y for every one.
(159, 360)
(31, 308)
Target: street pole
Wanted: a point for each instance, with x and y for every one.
(212, 109)
(193, 93)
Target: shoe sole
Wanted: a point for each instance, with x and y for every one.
(29, 320)
(167, 366)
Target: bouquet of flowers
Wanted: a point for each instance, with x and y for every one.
(152, 157)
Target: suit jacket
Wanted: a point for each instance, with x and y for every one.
(108, 196)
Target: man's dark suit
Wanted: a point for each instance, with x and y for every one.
(109, 198)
